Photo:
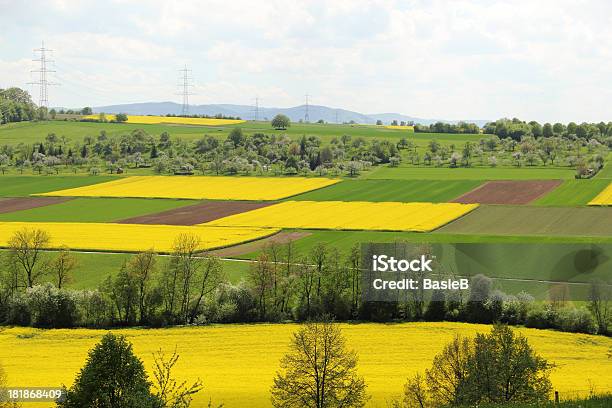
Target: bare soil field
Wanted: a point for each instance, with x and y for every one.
(524, 220)
(197, 213)
(508, 192)
(8, 205)
(249, 247)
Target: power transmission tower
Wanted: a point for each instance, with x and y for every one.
(185, 85)
(43, 82)
(256, 108)
(306, 117)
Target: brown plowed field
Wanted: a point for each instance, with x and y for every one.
(508, 192)
(197, 213)
(25, 203)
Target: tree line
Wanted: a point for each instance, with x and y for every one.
(189, 287)
(239, 153)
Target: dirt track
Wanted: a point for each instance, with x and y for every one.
(508, 192)
(197, 213)
(25, 203)
(243, 249)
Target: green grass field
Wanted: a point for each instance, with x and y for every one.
(24, 185)
(391, 190)
(345, 240)
(93, 268)
(573, 193)
(34, 132)
(470, 173)
(537, 221)
(94, 210)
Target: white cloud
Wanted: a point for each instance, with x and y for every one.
(545, 60)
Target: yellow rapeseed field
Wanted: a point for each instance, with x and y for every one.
(154, 120)
(199, 187)
(398, 127)
(237, 362)
(603, 198)
(130, 237)
(355, 215)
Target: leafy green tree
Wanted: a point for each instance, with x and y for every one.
(319, 371)
(495, 368)
(121, 117)
(113, 377)
(281, 122)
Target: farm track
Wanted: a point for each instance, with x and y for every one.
(508, 192)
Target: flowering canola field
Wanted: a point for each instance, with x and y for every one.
(604, 198)
(130, 237)
(399, 127)
(199, 187)
(237, 362)
(355, 215)
(155, 120)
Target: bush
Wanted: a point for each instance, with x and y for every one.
(576, 321)
(542, 317)
(51, 307)
(18, 312)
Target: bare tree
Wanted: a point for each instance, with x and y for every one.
(62, 266)
(600, 304)
(260, 275)
(208, 279)
(171, 392)
(319, 371)
(26, 253)
(178, 277)
(142, 267)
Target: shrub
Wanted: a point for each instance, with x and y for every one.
(576, 321)
(51, 307)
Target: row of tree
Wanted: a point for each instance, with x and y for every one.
(239, 153)
(189, 287)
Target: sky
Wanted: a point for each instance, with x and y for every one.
(537, 60)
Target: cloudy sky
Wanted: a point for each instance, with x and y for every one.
(542, 60)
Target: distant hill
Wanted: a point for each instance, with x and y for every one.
(315, 113)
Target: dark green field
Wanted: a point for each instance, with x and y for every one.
(391, 190)
(94, 210)
(24, 185)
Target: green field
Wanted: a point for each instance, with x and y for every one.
(606, 172)
(537, 221)
(391, 190)
(94, 210)
(34, 132)
(24, 185)
(345, 240)
(469, 173)
(93, 268)
(573, 193)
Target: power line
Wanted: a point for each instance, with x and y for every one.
(306, 116)
(43, 82)
(185, 87)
